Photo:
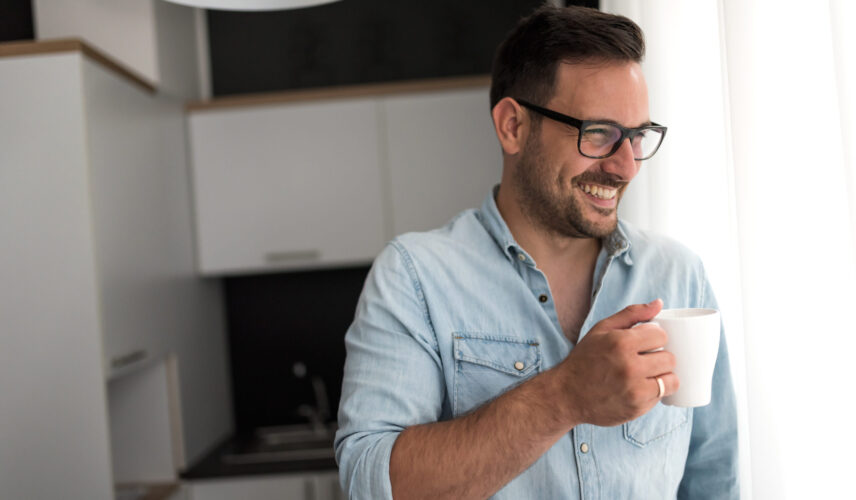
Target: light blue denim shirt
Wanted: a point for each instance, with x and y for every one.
(446, 315)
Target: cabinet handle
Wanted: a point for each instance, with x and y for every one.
(128, 359)
(274, 257)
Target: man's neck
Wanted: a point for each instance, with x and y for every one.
(549, 249)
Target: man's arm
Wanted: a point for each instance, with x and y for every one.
(473, 456)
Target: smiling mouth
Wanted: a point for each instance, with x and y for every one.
(603, 193)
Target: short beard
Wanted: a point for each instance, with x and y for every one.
(558, 214)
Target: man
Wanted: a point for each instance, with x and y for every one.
(508, 353)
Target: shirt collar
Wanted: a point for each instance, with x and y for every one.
(615, 244)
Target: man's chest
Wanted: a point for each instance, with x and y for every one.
(572, 300)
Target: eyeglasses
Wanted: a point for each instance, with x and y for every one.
(601, 139)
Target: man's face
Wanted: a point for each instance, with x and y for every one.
(551, 175)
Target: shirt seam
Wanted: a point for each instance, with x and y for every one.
(417, 287)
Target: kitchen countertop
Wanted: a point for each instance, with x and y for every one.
(212, 465)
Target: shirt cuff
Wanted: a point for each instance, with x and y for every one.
(365, 463)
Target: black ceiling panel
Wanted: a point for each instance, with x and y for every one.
(16, 20)
(357, 41)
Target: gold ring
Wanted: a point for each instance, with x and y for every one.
(661, 386)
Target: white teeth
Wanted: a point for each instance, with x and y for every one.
(599, 191)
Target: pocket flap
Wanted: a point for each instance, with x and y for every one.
(511, 355)
(658, 423)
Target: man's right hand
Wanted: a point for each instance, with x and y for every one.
(610, 376)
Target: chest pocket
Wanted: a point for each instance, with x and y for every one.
(658, 424)
(488, 365)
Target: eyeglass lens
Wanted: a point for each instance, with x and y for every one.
(598, 140)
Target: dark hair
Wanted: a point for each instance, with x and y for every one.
(525, 63)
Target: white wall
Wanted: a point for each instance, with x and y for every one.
(176, 30)
(124, 29)
(153, 38)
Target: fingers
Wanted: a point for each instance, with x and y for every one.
(630, 315)
(656, 363)
(648, 337)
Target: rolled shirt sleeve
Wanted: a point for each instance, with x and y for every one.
(393, 375)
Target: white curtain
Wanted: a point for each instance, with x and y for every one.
(758, 176)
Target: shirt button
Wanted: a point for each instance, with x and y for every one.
(519, 365)
(542, 298)
(584, 448)
(521, 256)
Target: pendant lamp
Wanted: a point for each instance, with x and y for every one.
(254, 5)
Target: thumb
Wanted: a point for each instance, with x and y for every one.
(629, 316)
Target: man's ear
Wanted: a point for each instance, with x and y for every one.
(508, 118)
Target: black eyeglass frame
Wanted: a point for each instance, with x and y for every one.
(581, 124)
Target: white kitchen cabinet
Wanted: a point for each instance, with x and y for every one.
(443, 155)
(328, 181)
(96, 274)
(130, 166)
(327, 486)
(302, 486)
(287, 186)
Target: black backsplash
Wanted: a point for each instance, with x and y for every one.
(278, 320)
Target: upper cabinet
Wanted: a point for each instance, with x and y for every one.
(287, 186)
(328, 179)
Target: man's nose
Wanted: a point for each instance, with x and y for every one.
(622, 162)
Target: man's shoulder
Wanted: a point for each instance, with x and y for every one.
(462, 231)
(462, 247)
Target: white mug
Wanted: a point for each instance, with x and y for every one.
(694, 340)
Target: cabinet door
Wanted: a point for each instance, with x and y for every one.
(327, 486)
(443, 155)
(287, 186)
(280, 487)
(141, 220)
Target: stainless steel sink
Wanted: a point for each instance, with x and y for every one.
(284, 444)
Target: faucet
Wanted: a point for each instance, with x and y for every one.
(319, 413)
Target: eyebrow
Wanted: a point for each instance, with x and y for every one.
(646, 123)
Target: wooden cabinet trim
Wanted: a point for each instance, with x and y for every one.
(351, 91)
(33, 47)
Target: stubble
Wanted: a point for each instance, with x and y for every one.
(547, 202)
